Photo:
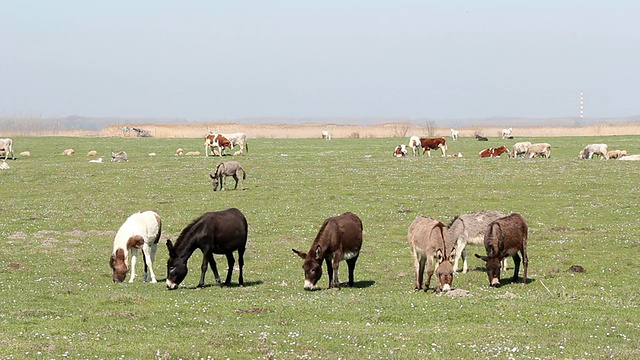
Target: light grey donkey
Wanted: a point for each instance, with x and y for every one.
(224, 169)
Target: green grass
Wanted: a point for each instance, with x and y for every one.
(59, 216)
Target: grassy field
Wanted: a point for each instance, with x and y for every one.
(59, 216)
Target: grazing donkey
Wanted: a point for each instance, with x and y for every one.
(220, 232)
(339, 238)
(140, 230)
(224, 169)
(505, 237)
(469, 229)
(428, 241)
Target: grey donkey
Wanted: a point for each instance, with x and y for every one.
(224, 169)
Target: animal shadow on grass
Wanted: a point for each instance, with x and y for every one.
(505, 276)
(359, 284)
(214, 284)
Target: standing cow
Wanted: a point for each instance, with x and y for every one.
(469, 229)
(429, 144)
(506, 237)
(6, 145)
(428, 241)
(594, 149)
(520, 148)
(339, 238)
(414, 144)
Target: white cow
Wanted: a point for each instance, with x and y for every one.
(538, 150)
(326, 135)
(415, 144)
(520, 148)
(506, 132)
(630, 157)
(7, 146)
(594, 149)
(140, 230)
(454, 134)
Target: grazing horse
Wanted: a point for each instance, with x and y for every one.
(224, 169)
(7, 146)
(220, 232)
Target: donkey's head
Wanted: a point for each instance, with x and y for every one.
(312, 267)
(176, 268)
(444, 271)
(118, 264)
(215, 180)
(493, 268)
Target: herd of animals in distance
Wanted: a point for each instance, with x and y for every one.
(433, 245)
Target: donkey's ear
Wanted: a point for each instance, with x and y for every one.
(483, 258)
(213, 177)
(318, 252)
(170, 248)
(299, 253)
(452, 253)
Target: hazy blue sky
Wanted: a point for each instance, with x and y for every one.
(320, 59)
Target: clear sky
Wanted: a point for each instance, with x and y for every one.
(319, 59)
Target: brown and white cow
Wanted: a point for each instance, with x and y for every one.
(213, 141)
(494, 152)
(400, 151)
(429, 144)
(506, 237)
(429, 240)
(339, 238)
(414, 144)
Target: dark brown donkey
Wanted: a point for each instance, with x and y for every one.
(505, 237)
(339, 238)
(220, 232)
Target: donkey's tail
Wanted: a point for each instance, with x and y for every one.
(244, 173)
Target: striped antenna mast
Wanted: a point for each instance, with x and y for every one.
(581, 104)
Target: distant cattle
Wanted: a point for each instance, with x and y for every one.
(179, 151)
(469, 229)
(25, 153)
(505, 237)
(454, 134)
(480, 138)
(630, 157)
(92, 153)
(538, 150)
(224, 169)
(98, 160)
(119, 156)
(69, 152)
(614, 154)
(493, 152)
(4, 165)
(6, 145)
(594, 149)
(429, 144)
(458, 154)
(400, 151)
(339, 238)
(520, 148)
(141, 132)
(414, 144)
(152, 154)
(222, 141)
(216, 143)
(428, 241)
(192, 153)
(326, 135)
(506, 133)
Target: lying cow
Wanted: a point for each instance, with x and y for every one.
(469, 229)
(400, 151)
(520, 148)
(119, 156)
(506, 237)
(480, 138)
(614, 154)
(494, 152)
(140, 230)
(594, 149)
(428, 240)
(630, 157)
(69, 152)
(339, 238)
(429, 144)
(414, 144)
(538, 150)
(224, 169)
